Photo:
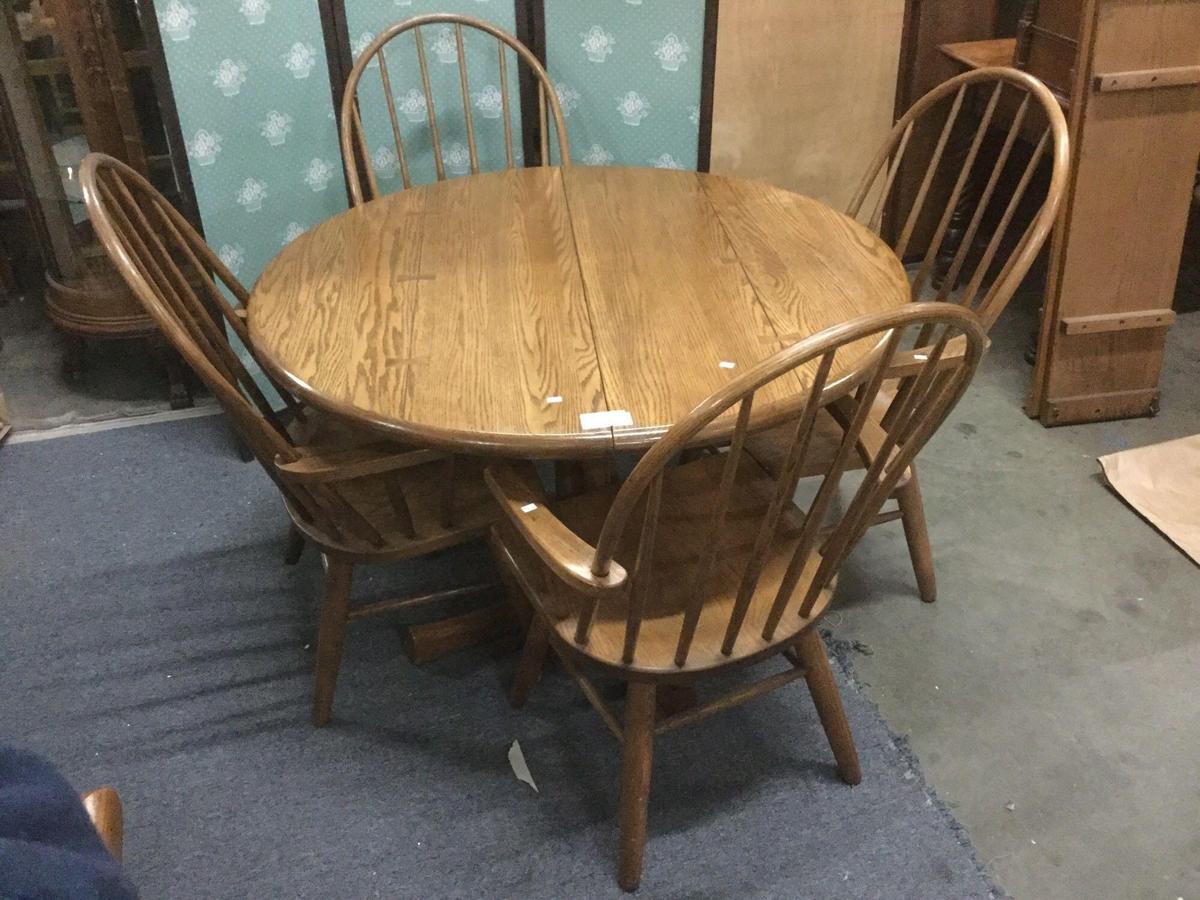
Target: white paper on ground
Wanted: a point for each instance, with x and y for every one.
(516, 759)
(1162, 482)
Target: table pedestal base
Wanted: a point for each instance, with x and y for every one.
(433, 640)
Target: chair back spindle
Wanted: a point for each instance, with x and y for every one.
(816, 550)
(355, 146)
(984, 186)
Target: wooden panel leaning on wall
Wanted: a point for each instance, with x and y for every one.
(804, 91)
(1135, 131)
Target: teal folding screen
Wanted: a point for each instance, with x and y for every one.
(254, 91)
(251, 85)
(629, 77)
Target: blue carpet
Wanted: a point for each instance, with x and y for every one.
(153, 640)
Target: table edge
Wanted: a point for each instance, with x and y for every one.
(517, 446)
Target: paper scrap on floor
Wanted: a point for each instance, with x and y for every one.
(516, 759)
(1162, 482)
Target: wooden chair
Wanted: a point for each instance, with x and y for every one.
(355, 153)
(969, 267)
(357, 500)
(686, 570)
(103, 807)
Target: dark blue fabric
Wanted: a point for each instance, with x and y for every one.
(48, 846)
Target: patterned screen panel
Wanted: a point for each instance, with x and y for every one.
(628, 76)
(251, 83)
(367, 18)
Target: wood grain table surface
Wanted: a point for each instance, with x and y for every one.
(487, 314)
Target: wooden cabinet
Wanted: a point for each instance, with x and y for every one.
(80, 75)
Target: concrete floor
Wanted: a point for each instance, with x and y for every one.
(1059, 671)
(121, 378)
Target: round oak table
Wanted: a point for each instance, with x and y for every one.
(561, 313)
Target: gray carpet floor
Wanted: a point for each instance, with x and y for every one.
(152, 640)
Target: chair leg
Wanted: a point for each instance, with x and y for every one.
(916, 532)
(533, 661)
(819, 676)
(334, 608)
(295, 546)
(637, 753)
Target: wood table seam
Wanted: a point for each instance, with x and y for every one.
(587, 297)
(702, 182)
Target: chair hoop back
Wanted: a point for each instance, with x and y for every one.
(934, 383)
(355, 153)
(986, 187)
(177, 278)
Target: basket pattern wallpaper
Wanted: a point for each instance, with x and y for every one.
(251, 84)
(628, 77)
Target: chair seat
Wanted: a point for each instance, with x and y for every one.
(374, 500)
(684, 534)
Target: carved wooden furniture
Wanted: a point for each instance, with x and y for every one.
(357, 499)
(497, 314)
(1047, 42)
(968, 265)
(78, 75)
(1045, 46)
(20, 263)
(355, 152)
(686, 570)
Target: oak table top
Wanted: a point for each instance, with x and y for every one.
(488, 314)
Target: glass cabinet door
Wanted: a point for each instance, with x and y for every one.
(117, 111)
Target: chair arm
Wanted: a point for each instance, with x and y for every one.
(317, 467)
(568, 555)
(910, 362)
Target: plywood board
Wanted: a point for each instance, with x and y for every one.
(805, 91)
